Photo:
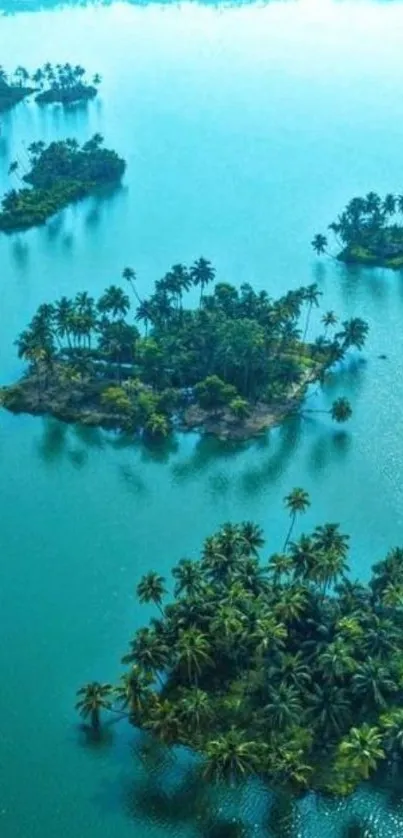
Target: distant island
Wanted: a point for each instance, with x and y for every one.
(61, 173)
(283, 669)
(62, 83)
(13, 90)
(238, 363)
(368, 232)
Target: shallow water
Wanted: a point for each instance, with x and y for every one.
(246, 129)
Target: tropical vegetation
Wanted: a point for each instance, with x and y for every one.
(60, 173)
(239, 360)
(61, 83)
(369, 231)
(283, 668)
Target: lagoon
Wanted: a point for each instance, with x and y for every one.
(245, 127)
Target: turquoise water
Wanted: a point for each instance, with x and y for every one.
(246, 129)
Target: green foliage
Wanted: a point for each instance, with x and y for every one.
(60, 174)
(369, 231)
(286, 670)
(236, 353)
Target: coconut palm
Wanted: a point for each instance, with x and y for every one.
(319, 243)
(297, 502)
(329, 319)
(362, 749)
(231, 757)
(149, 651)
(151, 588)
(133, 691)
(311, 297)
(329, 709)
(92, 699)
(341, 410)
(354, 332)
(195, 709)
(164, 722)
(283, 708)
(201, 274)
(114, 301)
(373, 683)
(252, 535)
(189, 578)
(193, 653)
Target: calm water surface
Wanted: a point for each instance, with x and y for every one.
(246, 129)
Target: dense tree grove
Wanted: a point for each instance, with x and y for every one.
(60, 173)
(368, 231)
(60, 83)
(282, 668)
(93, 361)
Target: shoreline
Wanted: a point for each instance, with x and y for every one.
(79, 405)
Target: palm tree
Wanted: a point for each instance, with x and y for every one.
(329, 708)
(151, 588)
(93, 698)
(319, 243)
(362, 749)
(253, 537)
(280, 565)
(337, 661)
(327, 537)
(373, 683)
(389, 204)
(195, 708)
(231, 757)
(296, 502)
(193, 652)
(129, 274)
(329, 319)
(354, 333)
(115, 301)
(311, 296)
(201, 274)
(133, 690)
(149, 651)
(164, 722)
(189, 578)
(284, 707)
(341, 410)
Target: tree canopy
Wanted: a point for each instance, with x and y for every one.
(236, 354)
(368, 231)
(282, 668)
(60, 173)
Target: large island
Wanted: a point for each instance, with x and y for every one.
(283, 669)
(368, 232)
(235, 364)
(61, 173)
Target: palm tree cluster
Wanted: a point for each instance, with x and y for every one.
(60, 173)
(64, 83)
(13, 88)
(369, 230)
(282, 668)
(234, 350)
(60, 83)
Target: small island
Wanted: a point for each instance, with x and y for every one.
(283, 669)
(61, 173)
(368, 232)
(234, 365)
(13, 89)
(64, 84)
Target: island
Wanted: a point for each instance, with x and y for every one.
(64, 84)
(282, 668)
(233, 365)
(61, 173)
(13, 89)
(368, 232)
